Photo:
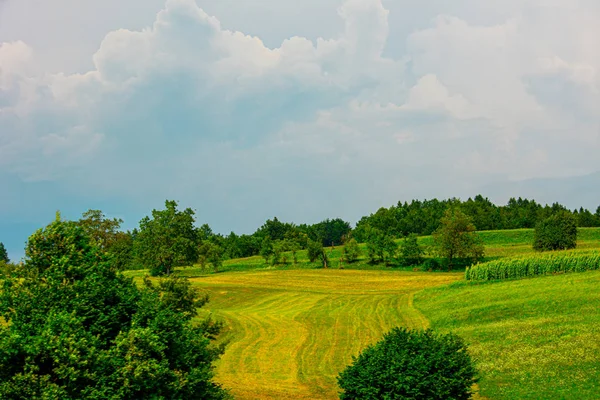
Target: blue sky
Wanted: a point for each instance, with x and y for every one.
(301, 110)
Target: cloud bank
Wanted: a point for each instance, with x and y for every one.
(190, 110)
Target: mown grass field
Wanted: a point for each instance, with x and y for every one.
(292, 329)
(535, 338)
(292, 332)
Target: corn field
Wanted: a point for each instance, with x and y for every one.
(541, 264)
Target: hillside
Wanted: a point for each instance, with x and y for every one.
(532, 339)
(291, 329)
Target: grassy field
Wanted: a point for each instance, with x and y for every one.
(292, 329)
(532, 339)
(292, 332)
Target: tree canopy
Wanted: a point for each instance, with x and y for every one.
(456, 238)
(557, 232)
(166, 240)
(77, 328)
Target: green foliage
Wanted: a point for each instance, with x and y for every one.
(101, 231)
(76, 328)
(410, 365)
(539, 264)
(351, 251)
(314, 250)
(208, 252)
(410, 250)
(431, 264)
(330, 232)
(166, 240)
(266, 249)
(557, 232)
(381, 247)
(456, 238)
(3, 253)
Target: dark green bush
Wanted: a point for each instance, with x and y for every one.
(410, 365)
(431, 264)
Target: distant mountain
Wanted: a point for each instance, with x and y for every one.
(573, 192)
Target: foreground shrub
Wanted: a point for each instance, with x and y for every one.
(410, 365)
(557, 232)
(539, 264)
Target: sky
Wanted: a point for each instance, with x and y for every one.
(246, 110)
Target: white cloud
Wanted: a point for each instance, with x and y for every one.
(186, 99)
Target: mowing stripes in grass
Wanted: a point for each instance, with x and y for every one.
(539, 264)
(291, 332)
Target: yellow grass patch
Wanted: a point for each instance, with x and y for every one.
(292, 332)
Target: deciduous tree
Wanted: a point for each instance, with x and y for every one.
(456, 238)
(351, 250)
(557, 232)
(166, 240)
(411, 251)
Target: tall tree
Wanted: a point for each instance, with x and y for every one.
(456, 238)
(166, 240)
(3, 253)
(101, 230)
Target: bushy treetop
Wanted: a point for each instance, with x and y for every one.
(409, 364)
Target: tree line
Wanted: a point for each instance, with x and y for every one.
(171, 237)
(423, 217)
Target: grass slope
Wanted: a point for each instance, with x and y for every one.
(292, 332)
(532, 339)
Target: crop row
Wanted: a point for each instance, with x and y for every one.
(539, 264)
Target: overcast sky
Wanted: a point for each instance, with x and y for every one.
(245, 110)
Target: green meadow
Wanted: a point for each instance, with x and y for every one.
(291, 329)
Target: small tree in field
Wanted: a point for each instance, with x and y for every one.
(411, 251)
(316, 252)
(381, 246)
(456, 238)
(410, 365)
(557, 232)
(351, 251)
(266, 249)
(166, 240)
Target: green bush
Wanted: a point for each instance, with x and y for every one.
(557, 232)
(410, 365)
(431, 264)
